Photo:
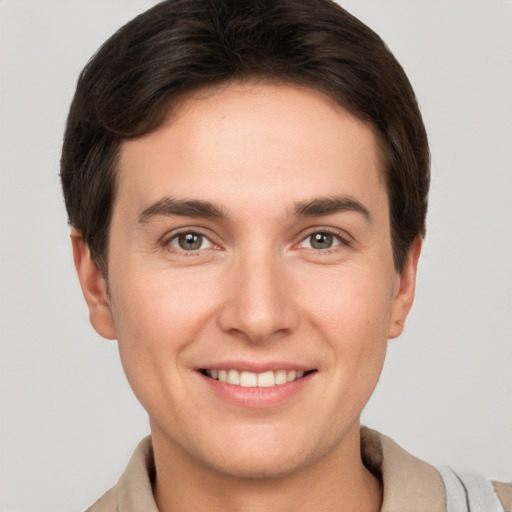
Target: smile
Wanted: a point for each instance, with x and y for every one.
(248, 379)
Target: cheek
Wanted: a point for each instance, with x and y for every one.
(157, 318)
(159, 305)
(357, 305)
(352, 312)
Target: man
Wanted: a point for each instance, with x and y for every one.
(247, 186)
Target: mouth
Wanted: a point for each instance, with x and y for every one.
(246, 379)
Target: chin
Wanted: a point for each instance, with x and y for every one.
(254, 457)
(259, 466)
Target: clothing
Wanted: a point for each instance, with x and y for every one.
(468, 492)
(410, 485)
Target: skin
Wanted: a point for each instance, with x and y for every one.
(256, 291)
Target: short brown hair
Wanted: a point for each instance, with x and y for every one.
(181, 45)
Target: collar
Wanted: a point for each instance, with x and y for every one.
(410, 484)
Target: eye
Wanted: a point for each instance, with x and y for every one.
(190, 241)
(321, 240)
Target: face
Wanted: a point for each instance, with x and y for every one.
(251, 277)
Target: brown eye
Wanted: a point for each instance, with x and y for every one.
(321, 240)
(190, 241)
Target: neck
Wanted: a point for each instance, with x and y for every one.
(338, 481)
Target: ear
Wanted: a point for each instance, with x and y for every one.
(404, 290)
(94, 287)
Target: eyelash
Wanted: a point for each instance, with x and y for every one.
(340, 236)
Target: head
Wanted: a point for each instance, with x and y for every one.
(139, 75)
(251, 179)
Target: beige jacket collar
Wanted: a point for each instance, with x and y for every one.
(410, 484)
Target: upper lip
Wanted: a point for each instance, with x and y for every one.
(256, 367)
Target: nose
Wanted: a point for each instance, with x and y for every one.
(260, 300)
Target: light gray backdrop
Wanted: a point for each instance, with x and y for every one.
(68, 419)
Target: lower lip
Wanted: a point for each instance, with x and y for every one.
(257, 397)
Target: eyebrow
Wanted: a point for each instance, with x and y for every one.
(328, 205)
(169, 206)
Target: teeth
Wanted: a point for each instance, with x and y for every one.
(233, 377)
(266, 380)
(280, 377)
(252, 380)
(248, 379)
(291, 375)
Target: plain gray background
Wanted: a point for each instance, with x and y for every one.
(68, 419)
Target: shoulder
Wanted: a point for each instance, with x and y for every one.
(467, 491)
(107, 503)
(134, 490)
(504, 492)
(413, 485)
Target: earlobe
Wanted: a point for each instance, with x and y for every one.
(404, 294)
(93, 287)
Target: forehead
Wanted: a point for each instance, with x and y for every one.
(245, 141)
